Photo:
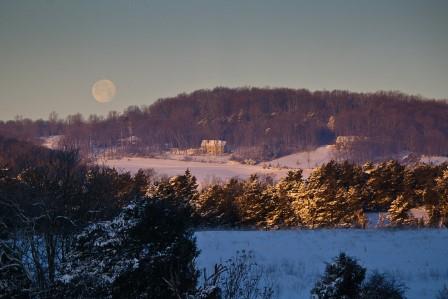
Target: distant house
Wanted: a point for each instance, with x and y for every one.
(213, 146)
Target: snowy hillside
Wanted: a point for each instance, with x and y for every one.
(306, 159)
(294, 259)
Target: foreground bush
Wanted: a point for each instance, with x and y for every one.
(382, 286)
(238, 278)
(344, 279)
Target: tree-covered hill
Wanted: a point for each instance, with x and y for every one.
(264, 122)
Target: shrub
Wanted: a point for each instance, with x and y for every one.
(239, 278)
(380, 286)
(342, 279)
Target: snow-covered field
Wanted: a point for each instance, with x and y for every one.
(206, 168)
(203, 171)
(294, 259)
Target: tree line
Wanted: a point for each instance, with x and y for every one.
(259, 123)
(334, 195)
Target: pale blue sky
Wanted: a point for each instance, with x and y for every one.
(52, 51)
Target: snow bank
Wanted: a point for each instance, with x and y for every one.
(295, 259)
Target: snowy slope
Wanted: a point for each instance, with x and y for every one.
(305, 160)
(294, 259)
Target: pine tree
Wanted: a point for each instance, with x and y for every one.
(421, 191)
(384, 184)
(253, 204)
(419, 183)
(325, 200)
(342, 279)
(181, 191)
(185, 187)
(399, 211)
(215, 206)
(282, 211)
(147, 251)
(442, 189)
(141, 181)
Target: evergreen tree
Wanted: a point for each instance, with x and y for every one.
(399, 211)
(419, 184)
(181, 191)
(326, 201)
(141, 182)
(342, 279)
(185, 186)
(145, 252)
(421, 191)
(215, 205)
(282, 212)
(384, 184)
(253, 204)
(442, 189)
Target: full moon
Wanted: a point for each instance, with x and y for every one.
(104, 90)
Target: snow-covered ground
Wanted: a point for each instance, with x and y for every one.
(206, 168)
(203, 171)
(294, 259)
(307, 159)
(225, 158)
